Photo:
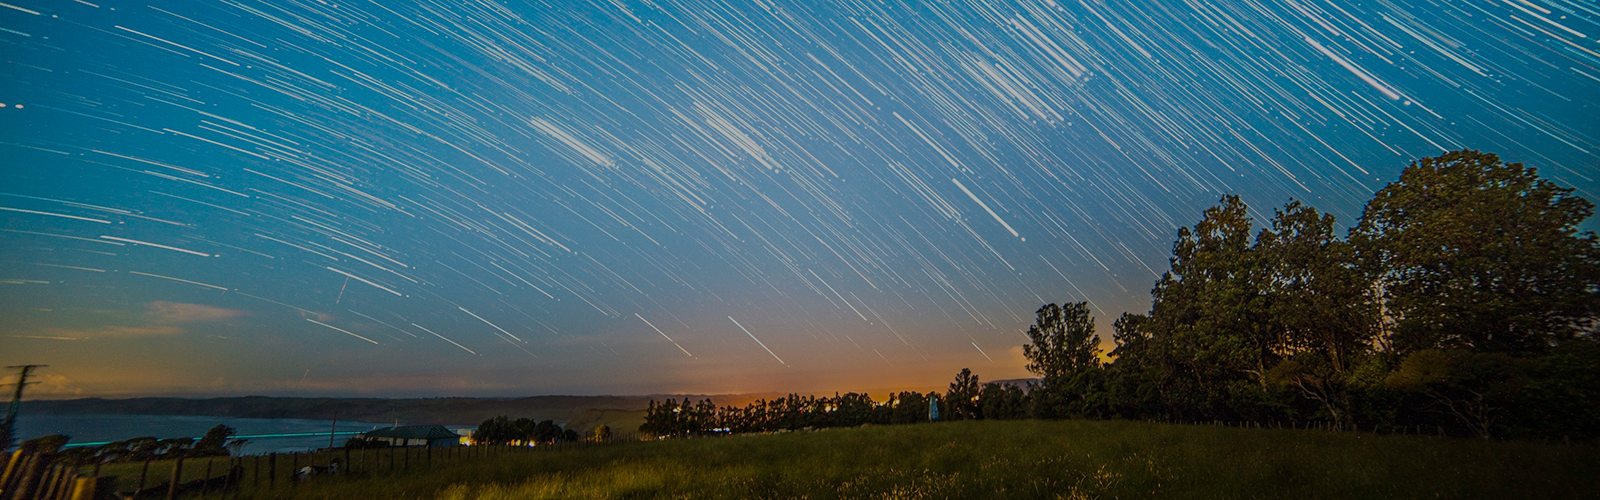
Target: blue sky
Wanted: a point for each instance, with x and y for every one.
(483, 198)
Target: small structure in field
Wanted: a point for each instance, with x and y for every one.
(414, 435)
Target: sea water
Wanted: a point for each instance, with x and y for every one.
(266, 435)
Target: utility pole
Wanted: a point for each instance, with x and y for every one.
(334, 429)
(8, 427)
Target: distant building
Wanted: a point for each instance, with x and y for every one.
(414, 435)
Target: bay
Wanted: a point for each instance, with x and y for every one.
(266, 435)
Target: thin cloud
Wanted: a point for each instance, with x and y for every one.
(179, 312)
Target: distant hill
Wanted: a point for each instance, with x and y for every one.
(620, 421)
(445, 411)
(1021, 383)
(622, 413)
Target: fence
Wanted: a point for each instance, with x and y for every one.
(39, 476)
(273, 475)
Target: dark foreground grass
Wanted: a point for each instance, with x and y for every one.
(1013, 459)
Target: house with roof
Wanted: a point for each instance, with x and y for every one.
(414, 435)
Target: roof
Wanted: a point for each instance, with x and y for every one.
(429, 432)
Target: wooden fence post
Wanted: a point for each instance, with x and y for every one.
(83, 488)
(69, 479)
(25, 484)
(234, 465)
(272, 471)
(11, 469)
(143, 472)
(205, 486)
(61, 482)
(48, 482)
(177, 477)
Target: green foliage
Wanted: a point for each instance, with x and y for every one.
(962, 398)
(214, 443)
(1465, 302)
(671, 418)
(1474, 253)
(1063, 342)
(1065, 352)
(1002, 402)
(503, 430)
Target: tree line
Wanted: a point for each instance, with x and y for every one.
(504, 430)
(1464, 301)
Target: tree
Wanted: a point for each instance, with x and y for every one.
(215, 442)
(1318, 303)
(1003, 402)
(962, 398)
(1210, 306)
(1473, 388)
(1474, 253)
(546, 431)
(1064, 351)
(1135, 374)
(1318, 296)
(1062, 342)
(911, 408)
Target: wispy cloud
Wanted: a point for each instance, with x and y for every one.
(178, 312)
(116, 331)
(159, 319)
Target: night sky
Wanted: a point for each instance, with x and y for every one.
(486, 198)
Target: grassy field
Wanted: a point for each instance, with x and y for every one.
(1014, 459)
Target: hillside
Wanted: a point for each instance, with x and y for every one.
(620, 421)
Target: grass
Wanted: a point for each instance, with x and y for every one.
(1013, 459)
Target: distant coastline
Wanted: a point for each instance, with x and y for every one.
(443, 411)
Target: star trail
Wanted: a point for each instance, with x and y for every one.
(571, 197)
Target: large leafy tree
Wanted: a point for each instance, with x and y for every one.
(1318, 305)
(1318, 297)
(1063, 342)
(1475, 253)
(1065, 352)
(962, 397)
(1210, 310)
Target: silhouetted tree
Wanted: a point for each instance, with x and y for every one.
(1003, 402)
(1065, 352)
(215, 442)
(962, 397)
(1320, 300)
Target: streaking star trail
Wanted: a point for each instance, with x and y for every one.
(196, 192)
